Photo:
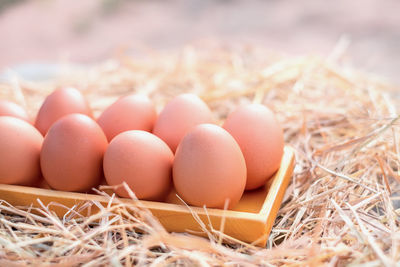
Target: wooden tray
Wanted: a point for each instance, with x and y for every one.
(250, 221)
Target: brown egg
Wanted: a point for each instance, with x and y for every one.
(209, 168)
(260, 137)
(180, 115)
(41, 183)
(132, 112)
(72, 154)
(143, 161)
(20, 145)
(61, 102)
(8, 108)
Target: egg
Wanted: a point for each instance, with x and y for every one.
(8, 108)
(72, 154)
(41, 183)
(209, 168)
(143, 161)
(61, 102)
(132, 112)
(20, 145)
(260, 137)
(178, 116)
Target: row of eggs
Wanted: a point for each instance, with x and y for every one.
(182, 146)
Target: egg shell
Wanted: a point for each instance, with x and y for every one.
(143, 161)
(260, 137)
(179, 116)
(72, 154)
(20, 145)
(11, 109)
(132, 112)
(61, 102)
(209, 168)
(41, 183)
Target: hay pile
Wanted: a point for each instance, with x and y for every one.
(341, 207)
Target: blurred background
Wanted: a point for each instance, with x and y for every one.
(47, 32)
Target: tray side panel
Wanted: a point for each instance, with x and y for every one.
(277, 190)
(242, 226)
